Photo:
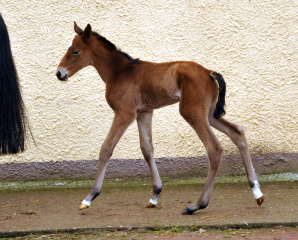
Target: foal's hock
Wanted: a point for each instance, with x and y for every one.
(134, 88)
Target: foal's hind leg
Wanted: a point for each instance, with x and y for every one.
(236, 133)
(120, 123)
(144, 120)
(198, 120)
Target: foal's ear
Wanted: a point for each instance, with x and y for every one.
(77, 29)
(87, 34)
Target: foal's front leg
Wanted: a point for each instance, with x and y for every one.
(120, 123)
(144, 120)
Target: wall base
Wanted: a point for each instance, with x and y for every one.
(196, 166)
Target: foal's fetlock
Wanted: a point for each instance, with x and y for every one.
(187, 211)
(192, 208)
(156, 194)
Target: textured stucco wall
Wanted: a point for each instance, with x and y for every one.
(253, 43)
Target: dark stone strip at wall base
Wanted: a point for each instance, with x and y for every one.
(231, 165)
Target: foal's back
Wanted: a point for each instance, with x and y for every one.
(159, 84)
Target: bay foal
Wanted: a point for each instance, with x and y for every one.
(134, 88)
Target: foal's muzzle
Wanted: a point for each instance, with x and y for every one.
(62, 74)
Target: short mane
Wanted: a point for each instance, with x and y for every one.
(112, 47)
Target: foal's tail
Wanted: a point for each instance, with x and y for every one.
(219, 110)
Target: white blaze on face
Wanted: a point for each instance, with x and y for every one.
(70, 44)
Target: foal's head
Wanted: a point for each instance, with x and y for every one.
(90, 48)
(78, 55)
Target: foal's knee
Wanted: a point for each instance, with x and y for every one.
(215, 155)
(105, 153)
(219, 147)
(147, 150)
(216, 150)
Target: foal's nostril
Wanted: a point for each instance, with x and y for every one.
(58, 74)
(62, 74)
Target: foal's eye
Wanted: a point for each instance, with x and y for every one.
(75, 52)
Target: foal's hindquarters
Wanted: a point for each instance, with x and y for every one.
(201, 117)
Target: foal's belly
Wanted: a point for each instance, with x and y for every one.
(154, 100)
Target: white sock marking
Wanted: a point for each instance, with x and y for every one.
(86, 202)
(256, 190)
(153, 201)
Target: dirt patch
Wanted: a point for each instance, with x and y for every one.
(121, 209)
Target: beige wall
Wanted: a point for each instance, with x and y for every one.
(253, 43)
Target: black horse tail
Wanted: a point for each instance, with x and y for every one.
(12, 113)
(219, 110)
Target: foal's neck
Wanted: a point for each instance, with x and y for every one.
(110, 64)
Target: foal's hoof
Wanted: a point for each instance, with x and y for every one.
(151, 205)
(187, 211)
(260, 200)
(83, 206)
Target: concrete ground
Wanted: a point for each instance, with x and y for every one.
(52, 207)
